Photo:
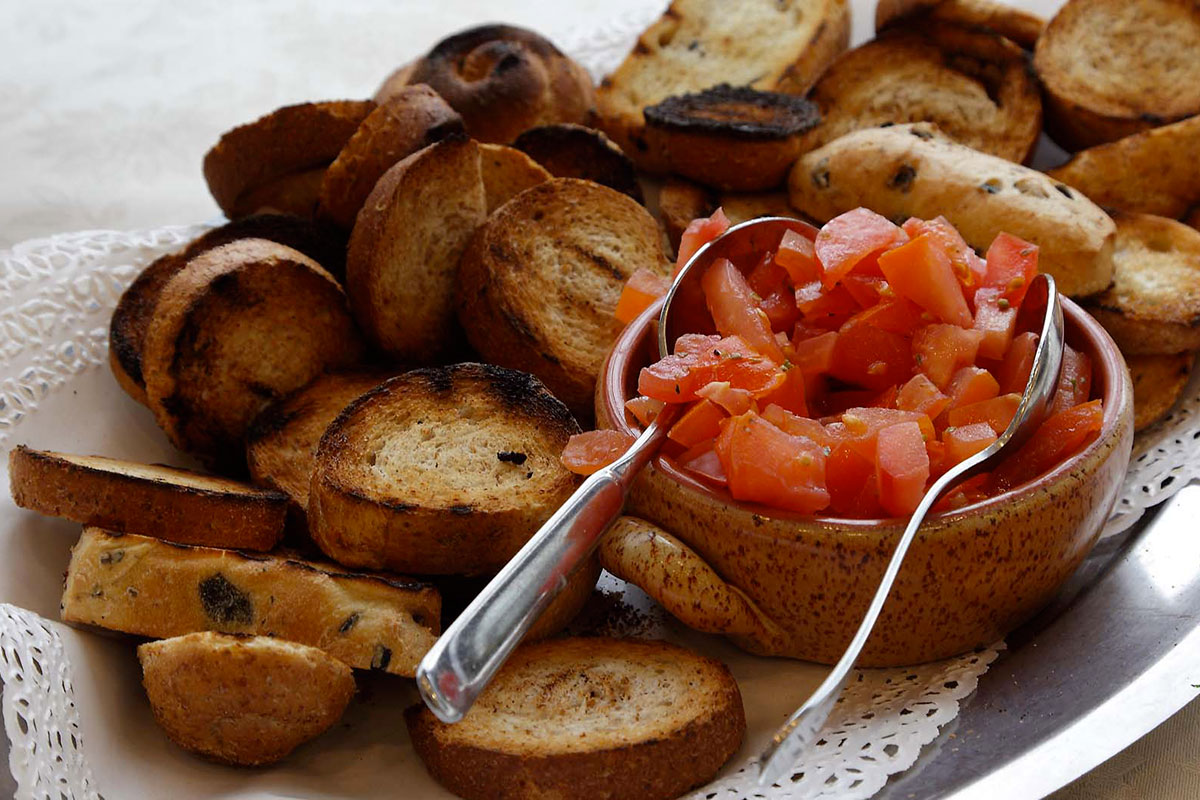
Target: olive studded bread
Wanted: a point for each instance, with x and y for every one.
(507, 172)
(152, 500)
(148, 587)
(990, 16)
(914, 170)
(1158, 381)
(443, 470)
(540, 279)
(577, 151)
(622, 719)
(243, 700)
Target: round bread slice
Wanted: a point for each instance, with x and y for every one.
(411, 118)
(975, 86)
(506, 173)
(983, 15)
(577, 151)
(292, 139)
(680, 202)
(1158, 381)
(243, 700)
(444, 470)
(295, 194)
(540, 280)
(1153, 305)
(177, 505)
(1111, 68)
(621, 719)
(402, 263)
(242, 325)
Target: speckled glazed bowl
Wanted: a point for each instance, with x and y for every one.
(785, 584)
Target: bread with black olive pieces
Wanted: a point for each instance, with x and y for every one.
(577, 151)
(1008, 21)
(145, 586)
(242, 700)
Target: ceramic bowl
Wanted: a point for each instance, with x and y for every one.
(785, 584)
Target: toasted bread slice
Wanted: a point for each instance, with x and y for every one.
(395, 82)
(295, 194)
(240, 326)
(148, 587)
(243, 700)
(1153, 172)
(697, 44)
(587, 718)
(1112, 68)
(444, 470)
(975, 86)
(742, 206)
(577, 151)
(1193, 218)
(1153, 305)
(727, 137)
(1158, 381)
(1008, 21)
(177, 505)
(413, 117)
(540, 280)
(506, 173)
(402, 264)
(282, 442)
(289, 140)
(680, 202)
(914, 170)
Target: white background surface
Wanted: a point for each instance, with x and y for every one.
(108, 108)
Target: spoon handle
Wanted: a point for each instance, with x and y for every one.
(467, 655)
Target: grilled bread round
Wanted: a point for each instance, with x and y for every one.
(540, 280)
(577, 151)
(506, 173)
(443, 470)
(1012, 23)
(621, 719)
(1158, 381)
(243, 700)
(242, 325)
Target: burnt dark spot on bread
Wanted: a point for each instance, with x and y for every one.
(598, 259)
(462, 510)
(576, 151)
(382, 657)
(223, 602)
(511, 457)
(736, 111)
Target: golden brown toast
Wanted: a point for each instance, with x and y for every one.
(152, 500)
(402, 264)
(1000, 18)
(540, 280)
(148, 587)
(1112, 68)
(623, 719)
(681, 201)
(443, 470)
(242, 700)
(577, 151)
(506, 173)
(295, 194)
(1158, 381)
(241, 325)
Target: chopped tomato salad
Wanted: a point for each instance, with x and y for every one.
(850, 371)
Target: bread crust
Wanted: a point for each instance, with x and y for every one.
(914, 170)
(1158, 381)
(678, 741)
(443, 470)
(153, 500)
(295, 194)
(681, 201)
(506, 173)
(577, 151)
(1013, 23)
(149, 587)
(242, 700)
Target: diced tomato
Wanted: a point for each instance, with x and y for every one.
(996, 319)
(846, 472)
(1013, 372)
(1011, 265)
(962, 443)
(972, 385)
(867, 290)
(778, 300)
(1074, 380)
(766, 465)
(700, 360)
(644, 409)
(921, 272)
(797, 255)
(968, 267)
(825, 309)
(871, 357)
(850, 238)
(886, 398)
(698, 233)
(938, 463)
(896, 316)
(901, 467)
(702, 420)
(814, 355)
(589, 452)
(1056, 438)
(862, 426)
(734, 401)
(920, 395)
(791, 394)
(731, 302)
(797, 425)
(969, 491)
(641, 290)
(703, 462)
(940, 350)
(997, 412)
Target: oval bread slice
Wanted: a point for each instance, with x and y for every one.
(177, 505)
(295, 194)
(577, 151)
(506, 173)
(1158, 381)
(444, 470)
(1001, 18)
(680, 202)
(586, 718)
(915, 171)
(243, 700)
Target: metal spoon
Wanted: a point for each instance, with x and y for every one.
(1041, 301)
(467, 655)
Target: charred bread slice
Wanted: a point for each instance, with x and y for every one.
(697, 44)
(975, 86)
(131, 318)
(1008, 21)
(1112, 68)
(410, 119)
(680, 202)
(577, 151)
(506, 173)
(1153, 305)
(623, 719)
(1158, 381)
(727, 137)
(402, 264)
(153, 588)
(243, 700)
(540, 279)
(915, 171)
(152, 500)
(443, 470)
(1152, 172)
(289, 140)
(242, 325)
